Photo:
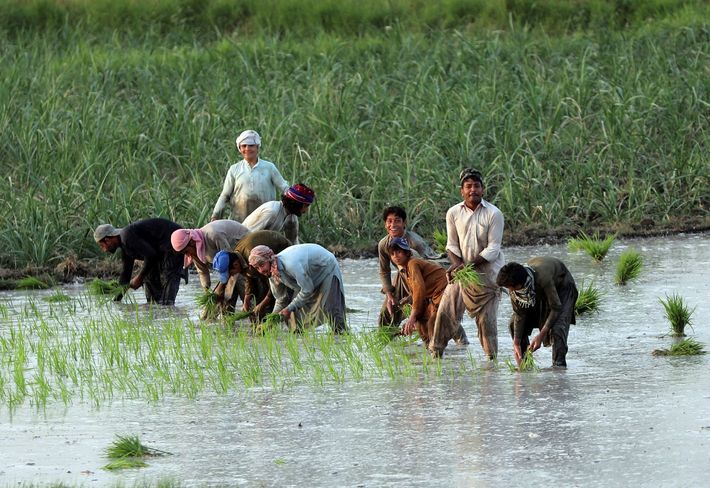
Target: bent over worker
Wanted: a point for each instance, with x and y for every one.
(543, 295)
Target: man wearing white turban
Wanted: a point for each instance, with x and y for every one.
(250, 182)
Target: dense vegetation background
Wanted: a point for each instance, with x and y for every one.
(582, 115)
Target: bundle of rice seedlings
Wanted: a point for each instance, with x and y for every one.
(686, 347)
(57, 298)
(269, 322)
(629, 266)
(233, 318)
(594, 246)
(588, 299)
(440, 240)
(528, 363)
(677, 313)
(31, 283)
(207, 300)
(111, 288)
(128, 451)
(467, 276)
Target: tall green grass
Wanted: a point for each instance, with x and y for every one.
(591, 131)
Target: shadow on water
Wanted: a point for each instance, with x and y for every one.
(618, 416)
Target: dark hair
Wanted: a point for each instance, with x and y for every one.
(393, 245)
(512, 275)
(292, 206)
(398, 211)
(470, 174)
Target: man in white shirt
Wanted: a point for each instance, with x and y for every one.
(283, 216)
(474, 230)
(250, 182)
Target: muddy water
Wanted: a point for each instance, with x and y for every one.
(617, 417)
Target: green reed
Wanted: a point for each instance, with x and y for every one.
(612, 131)
(686, 347)
(588, 299)
(677, 312)
(629, 266)
(467, 276)
(596, 247)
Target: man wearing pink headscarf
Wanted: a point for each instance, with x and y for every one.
(283, 216)
(200, 245)
(312, 273)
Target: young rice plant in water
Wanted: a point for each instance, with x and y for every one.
(588, 299)
(677, 313)
(686, 347)
(628, 267)
(594, 246)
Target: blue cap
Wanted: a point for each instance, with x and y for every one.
(401, 243)
(220, 263)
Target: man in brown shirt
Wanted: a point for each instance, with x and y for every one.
(543, 295)
(426, 282)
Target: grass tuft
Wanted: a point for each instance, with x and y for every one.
(677, 313)
(103, 288)
(467, 276)
(686, 347)
(233, 318)
(58, 298)
(628, 267)
(207, 300)
(125, 463)
(596, 247)
(31, 283)
(588, 300)
(270, 322)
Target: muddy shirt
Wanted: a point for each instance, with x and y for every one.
(246, 188)
(426, 282)
(552, 281)
(415, 242)
(273, 216)
(147, 240)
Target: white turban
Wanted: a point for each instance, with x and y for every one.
(250, 137)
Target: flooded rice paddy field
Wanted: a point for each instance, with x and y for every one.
(618, 416)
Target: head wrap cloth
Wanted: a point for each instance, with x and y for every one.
(468, 173)
(182, 237)
(300, 193)
(249, 137)
(261, 254)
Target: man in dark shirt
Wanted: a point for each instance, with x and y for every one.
(149, 241)
(543, 295)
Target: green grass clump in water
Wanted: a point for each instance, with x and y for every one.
(629, 266)
(207, 300)
(127, 452)
(57, 298)
(232, 318)
(588, 300)
(440, 240)
(686, 347)
(103, 288)
(677, 313)
(594, 246)
(467, 276)
(526, 365)
(31, 283)
(270, 322)
(125, 463)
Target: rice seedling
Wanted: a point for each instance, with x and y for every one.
(440, 239)
(588, 299)
(31, 283)
(208, 301)
(596, 247)
(527, 364)
(686, 347)
(677, 313)
(270, 322)
(467, 276)
(124, 463)
(233, 319)
(109, 289)
(130, 446)
(58, 297)
(629, 266)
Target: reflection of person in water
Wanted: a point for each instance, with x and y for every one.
(543, 295)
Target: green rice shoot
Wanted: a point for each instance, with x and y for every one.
(588, 299)
(678, 313)
(440, 239)
(233, 318)
(528, 363)
(207, 300)
(628, 267)
(270, 322)
(130, 446)
(102, 288)
(686, 347)
(58, 297)
(467, 277)
(31, 283)
(596, 247)
(125, 463)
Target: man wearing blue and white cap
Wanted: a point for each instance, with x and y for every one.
(253, 289)
(250, 182)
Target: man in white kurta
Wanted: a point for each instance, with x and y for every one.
(312, 274)
(250, 182)
(283, 216)
(474, 230)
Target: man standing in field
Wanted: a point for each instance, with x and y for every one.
(395, 220)
(474, 231)
(147, 240)
(543, 295)
(250, 182)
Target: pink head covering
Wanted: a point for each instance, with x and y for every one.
(261, 254)
(182, 237)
